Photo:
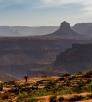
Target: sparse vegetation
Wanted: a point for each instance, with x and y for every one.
(48, 86)
(1, 87)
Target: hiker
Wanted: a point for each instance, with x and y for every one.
(26, 78)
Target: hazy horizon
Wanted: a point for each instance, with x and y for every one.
(44, 25)
(44, 12)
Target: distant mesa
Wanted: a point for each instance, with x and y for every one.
(64, 31)
(83, 28)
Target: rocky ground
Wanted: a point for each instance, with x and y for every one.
(63, 88)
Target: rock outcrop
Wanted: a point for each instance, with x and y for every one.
(64, 31)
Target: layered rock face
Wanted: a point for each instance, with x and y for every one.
(20, 55)
(77, 58)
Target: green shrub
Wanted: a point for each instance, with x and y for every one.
(51, 86)
(88, 87)
(77, 89)
(41, 92)
(64, 90)
(25, 97)
(32, 100)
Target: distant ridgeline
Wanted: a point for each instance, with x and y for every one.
(82, 46)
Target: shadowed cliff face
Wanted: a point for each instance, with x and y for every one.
(20, 55)
(77, 58)
(66, 29)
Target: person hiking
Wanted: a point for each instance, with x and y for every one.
(26, 78)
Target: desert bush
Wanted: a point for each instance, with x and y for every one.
(66, 90)
(41, 92)
(17, 89)
(4, 97)
(75, 98)
(64, 74)
(1, 86)
(32, 100)
(88, 87)
(51, 86)
(88, 97)
(26, 100)
(78, 88)
(61, 99)
(10, 83)
(88, 74)
(25, 97)
(80, 73)
(53, 99)
(22, 96)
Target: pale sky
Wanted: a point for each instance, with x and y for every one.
(44, 12)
